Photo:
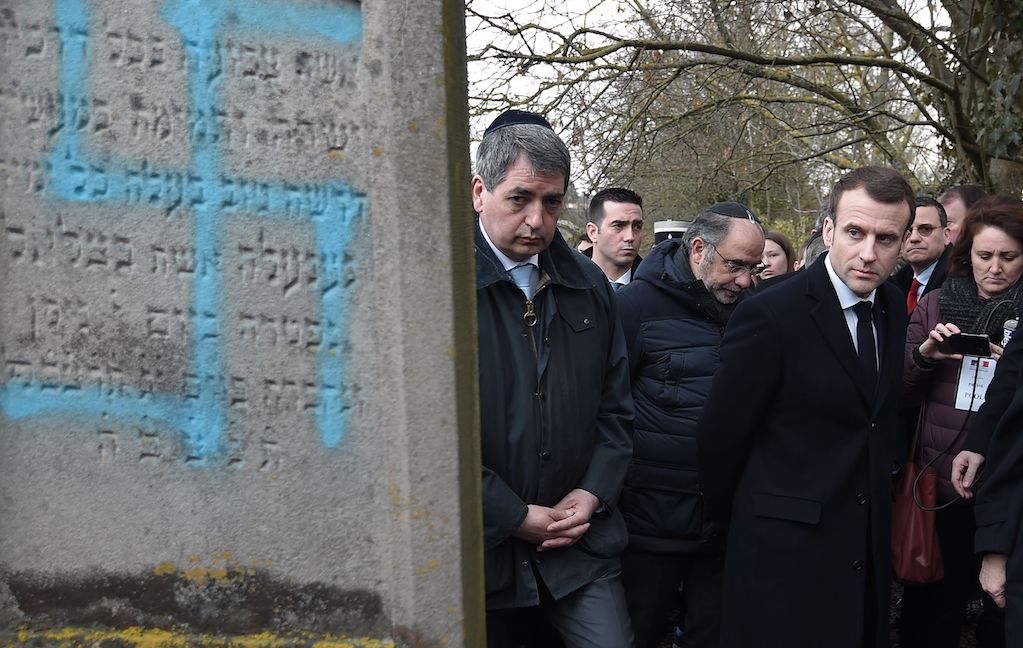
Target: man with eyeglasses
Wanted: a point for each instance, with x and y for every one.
(678, 305)
(798, 437)
(926, 251)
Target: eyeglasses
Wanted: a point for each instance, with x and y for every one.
(924, 230)
(735, 268)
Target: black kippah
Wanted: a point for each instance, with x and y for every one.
(734, 210)
(515, 117)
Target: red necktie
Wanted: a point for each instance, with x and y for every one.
(911, 298)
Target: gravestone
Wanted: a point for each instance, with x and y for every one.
(237, 398)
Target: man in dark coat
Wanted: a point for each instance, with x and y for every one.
(995, 435)
(926, 252)
(677, 308)
(796, 439)
(616, 230)
(556, 411)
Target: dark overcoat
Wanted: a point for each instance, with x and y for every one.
(555, 415)
(996, 431)
(796, 454)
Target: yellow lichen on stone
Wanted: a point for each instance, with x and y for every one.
(156, 638)
(165, 568)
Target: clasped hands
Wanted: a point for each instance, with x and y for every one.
(561, 525)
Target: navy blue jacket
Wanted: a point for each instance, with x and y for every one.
(673, 327)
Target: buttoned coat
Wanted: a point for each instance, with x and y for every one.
(796, 454)
(555, 415)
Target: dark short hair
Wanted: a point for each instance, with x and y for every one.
(883, 184)
(785, 244)
(1002, 212)
(611, 194)
(970, 194)
(822, 213)
(927, 201)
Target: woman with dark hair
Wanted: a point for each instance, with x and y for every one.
(982, 292)
(778, 258)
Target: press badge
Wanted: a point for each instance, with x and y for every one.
(974, 376)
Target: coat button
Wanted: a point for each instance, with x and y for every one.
(861, 499)
(857, 566)
(545, 454)
(586, 321)
(525, 563)
(539, 395)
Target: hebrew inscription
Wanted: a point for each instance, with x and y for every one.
(162, 280)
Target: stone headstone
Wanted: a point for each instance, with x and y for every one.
(237, 393)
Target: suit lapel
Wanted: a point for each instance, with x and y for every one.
(830, 321)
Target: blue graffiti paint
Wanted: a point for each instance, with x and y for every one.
(201, 417)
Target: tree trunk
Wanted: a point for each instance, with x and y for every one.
(1007, 177)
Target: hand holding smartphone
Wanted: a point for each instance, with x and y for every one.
(966, 344)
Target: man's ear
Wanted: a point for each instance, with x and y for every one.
(591, 231)
(697, 251)
(828, 232)
(477, 193)
(947, 234)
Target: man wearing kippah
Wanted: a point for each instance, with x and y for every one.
(678, 306)
(556, 410)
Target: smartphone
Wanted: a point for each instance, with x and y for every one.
(966, 344)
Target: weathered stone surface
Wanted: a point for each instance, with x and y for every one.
(236, 369)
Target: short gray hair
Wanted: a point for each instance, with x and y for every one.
(501, 148)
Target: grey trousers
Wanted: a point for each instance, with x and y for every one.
(594, 616)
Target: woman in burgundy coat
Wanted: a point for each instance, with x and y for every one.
(982, 292)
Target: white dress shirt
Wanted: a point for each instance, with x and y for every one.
(847, 299)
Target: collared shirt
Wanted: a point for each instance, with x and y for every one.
(507, 262)
(924, 277)
(623, 280)
(847, 299)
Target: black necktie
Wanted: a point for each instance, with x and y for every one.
(865, 341)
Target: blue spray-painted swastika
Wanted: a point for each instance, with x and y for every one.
(77, 175)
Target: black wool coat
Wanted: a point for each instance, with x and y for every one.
(555, 415)
(796, 456)
(996, 432)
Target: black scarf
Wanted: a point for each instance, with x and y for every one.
(960, 305)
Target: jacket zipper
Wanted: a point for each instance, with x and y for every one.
(529, 318)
